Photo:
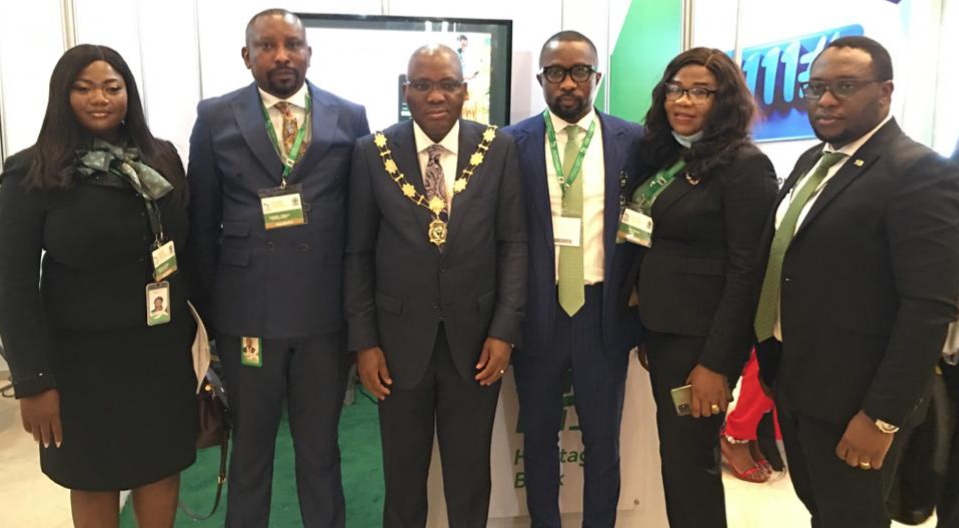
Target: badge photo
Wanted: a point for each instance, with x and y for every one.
(251, 351)
(158, 303)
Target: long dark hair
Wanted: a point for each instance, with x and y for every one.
(727, 124)
(62, 135)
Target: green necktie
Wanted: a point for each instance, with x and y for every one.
(571, 294)
(768, 310)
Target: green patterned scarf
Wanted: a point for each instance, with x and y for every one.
(105, 158)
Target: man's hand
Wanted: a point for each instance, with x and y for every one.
(41, 417)
(710, 392)
(371, 366)
(493, 361)
(863, 445)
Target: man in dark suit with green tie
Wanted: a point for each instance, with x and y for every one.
(860, 285)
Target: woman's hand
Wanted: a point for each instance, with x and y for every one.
(41, 417)
(710, 392)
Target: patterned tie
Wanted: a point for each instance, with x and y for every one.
(290, 129)
(434, 180)
(571, 277)
(768, 310)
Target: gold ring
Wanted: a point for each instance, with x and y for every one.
(714, 408)
(865, 465)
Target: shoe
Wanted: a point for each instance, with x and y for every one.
(755, 474)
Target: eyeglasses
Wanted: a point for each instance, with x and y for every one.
(697, 94)
(446, 86)
(840, 89)
(557, 74)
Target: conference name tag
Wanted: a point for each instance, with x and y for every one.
(282, 207)
(164, 261)
(636, 228)
(567, 231)
(158, 303)
(251, 351)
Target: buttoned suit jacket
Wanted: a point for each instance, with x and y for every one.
(280, 283)
(400, 286)
(869, 283)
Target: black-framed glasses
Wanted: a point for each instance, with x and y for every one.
(696, 94)
(557, 74)
(840, 89)
(445, 86)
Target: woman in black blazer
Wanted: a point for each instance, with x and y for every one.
(105, 387)
(708, 191)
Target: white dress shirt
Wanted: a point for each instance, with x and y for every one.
(297, 103)
(849, 150)
(593, 174)
(448, 158)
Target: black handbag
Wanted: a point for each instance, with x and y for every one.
(214, 430)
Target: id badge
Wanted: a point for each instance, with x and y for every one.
(158, 303)
(164, 261)
(636, 228)
(567, 231)
(251, 351)
(282, 207)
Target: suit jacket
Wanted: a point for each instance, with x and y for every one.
(869, 283)
(620, 330)
(400, 287)
(698, 278)
(285, 282)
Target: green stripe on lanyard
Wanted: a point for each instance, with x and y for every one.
(567, 182)
(301, 133)
(649, 191)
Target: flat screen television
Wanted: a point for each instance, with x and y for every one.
(364, 59)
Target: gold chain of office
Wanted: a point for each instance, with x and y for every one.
(438, 228)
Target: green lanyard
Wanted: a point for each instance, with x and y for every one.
(567, 182)
(295, 150)
(647, 193)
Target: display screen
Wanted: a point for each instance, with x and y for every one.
(364, 59)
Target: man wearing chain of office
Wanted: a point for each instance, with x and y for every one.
(435, 283)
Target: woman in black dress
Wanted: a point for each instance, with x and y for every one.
(106, 390)
(707, 192)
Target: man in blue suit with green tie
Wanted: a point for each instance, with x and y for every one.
(575, 161)
(268, 178)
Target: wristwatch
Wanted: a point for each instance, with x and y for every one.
(886, 427)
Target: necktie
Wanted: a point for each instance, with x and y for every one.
(571, 293)
(290, 129)
(434, 180)
(768, 310)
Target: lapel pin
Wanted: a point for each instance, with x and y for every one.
(859, 163)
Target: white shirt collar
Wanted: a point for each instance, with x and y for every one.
(852, 147)
(298, 99)
(450, 142)
(560, 124)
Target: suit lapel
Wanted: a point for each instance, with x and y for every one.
(531, 144)
(470, 137)
(615, 153)
(672, 194)
(855, 166)
(248, 111)
(323, 117)
(402, 146)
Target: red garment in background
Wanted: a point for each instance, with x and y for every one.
(751, 405)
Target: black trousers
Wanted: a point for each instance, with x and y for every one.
(688, 447)
(947, 509)
(599, 385)
(836, 495)
(460, 412)
(310, 374)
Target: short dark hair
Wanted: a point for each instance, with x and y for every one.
(265, 13)
(568, 36)
(727, 126)
(881, 61)
(61, 135)
(461, 38)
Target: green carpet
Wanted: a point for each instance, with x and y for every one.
(361, 466)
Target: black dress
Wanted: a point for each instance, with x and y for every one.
(127, 400)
